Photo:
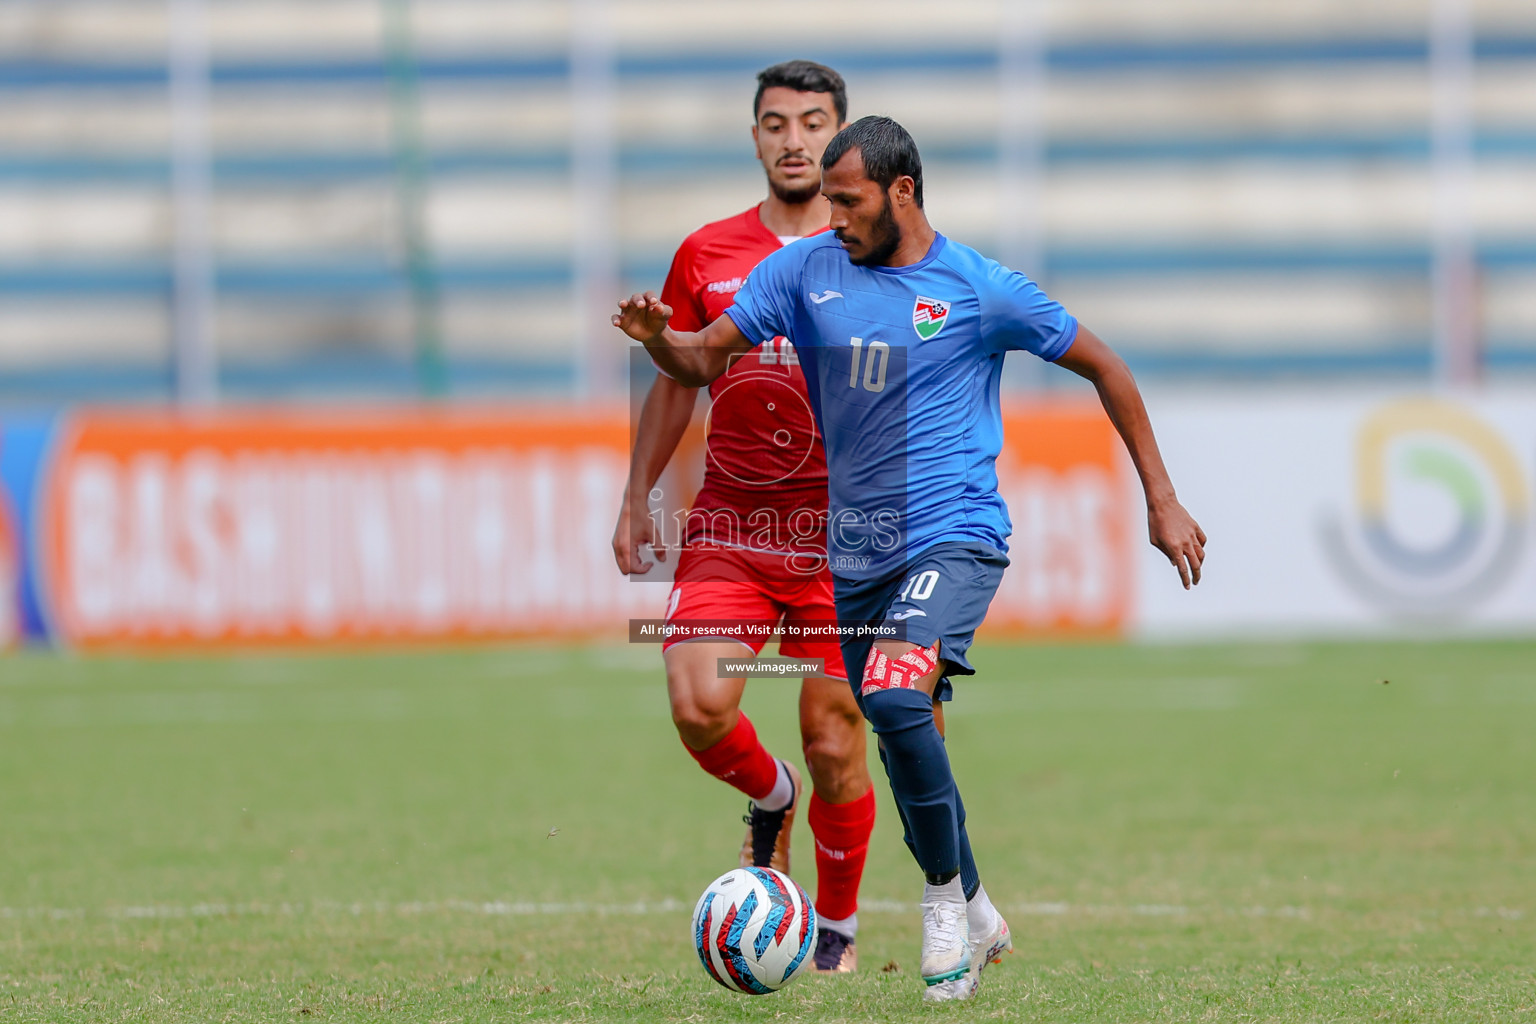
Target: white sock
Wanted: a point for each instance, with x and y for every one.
(782, 793)
(980, 914)
(950, 892)
(848, 927)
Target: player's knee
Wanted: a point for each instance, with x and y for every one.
(895, 711)
(703, 706)
(840, 782)
(835, 751)
(701, 723)
(839, 728)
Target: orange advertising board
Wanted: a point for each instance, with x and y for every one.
(1065, 476)
(291, 528)
(252, 528)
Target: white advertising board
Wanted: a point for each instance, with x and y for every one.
(1407, 515)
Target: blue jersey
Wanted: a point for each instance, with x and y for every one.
(902, 365)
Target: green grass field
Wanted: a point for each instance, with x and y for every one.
(1255, 832)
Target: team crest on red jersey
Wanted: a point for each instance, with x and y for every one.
(928, 316)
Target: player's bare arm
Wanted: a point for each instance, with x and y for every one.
(691, 359)
(1172, 530)
(664, 418)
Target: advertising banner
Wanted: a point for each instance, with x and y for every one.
(23, 449)
(147, 529)
(1404, 515)
(1395, 515)
(10, 570)
(1065, 476)
(258, 528)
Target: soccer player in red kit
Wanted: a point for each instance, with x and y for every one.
(754, 550)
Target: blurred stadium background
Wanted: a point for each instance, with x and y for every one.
(1230, 192)
(304, 347)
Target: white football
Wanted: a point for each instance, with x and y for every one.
(754, 929)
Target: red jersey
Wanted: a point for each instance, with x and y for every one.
(765, 472)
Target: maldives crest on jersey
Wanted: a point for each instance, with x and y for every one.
(928, 316)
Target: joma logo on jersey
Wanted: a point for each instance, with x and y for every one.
(928, 316)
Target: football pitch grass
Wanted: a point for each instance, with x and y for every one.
(1246, 832)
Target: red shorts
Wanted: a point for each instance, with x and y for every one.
(730, 585)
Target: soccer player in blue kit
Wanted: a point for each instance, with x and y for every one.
(902, 333)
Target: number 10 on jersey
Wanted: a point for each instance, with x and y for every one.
(874, 363)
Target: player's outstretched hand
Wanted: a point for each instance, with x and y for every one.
(642, 317)
(1175, 533)
(635, 527)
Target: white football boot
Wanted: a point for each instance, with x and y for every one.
(989, 948)
(986, 948)
(946, 934)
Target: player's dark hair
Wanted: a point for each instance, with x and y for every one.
(888, 152)
(803, 76)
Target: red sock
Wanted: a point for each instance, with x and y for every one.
(740, 760)
(842, 841)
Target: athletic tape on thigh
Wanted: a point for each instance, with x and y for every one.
(881, 673)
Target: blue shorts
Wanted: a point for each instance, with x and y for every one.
(941, 596)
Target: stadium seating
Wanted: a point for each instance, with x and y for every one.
(1233, 191)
